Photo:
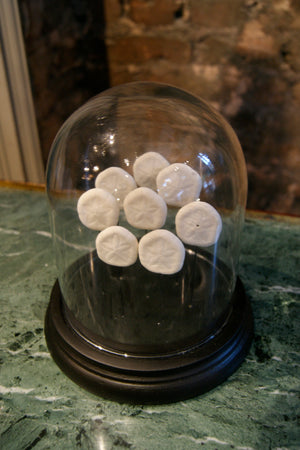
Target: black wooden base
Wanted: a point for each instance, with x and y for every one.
(150, 379)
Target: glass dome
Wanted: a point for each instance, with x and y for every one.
(147, 189)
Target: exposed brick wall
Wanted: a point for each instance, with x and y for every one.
(241, 55)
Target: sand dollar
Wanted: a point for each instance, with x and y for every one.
(116, 181)
(146, 168)
(98, 209)
(117, 246)
(178, 184)
(145, 209)
(198, 223)
(160, 251)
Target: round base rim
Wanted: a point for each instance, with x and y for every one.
(150, 380)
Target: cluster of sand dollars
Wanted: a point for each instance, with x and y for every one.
(145, 198)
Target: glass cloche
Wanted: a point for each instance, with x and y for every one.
(147, 188)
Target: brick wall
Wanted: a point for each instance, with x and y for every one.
(241, 55)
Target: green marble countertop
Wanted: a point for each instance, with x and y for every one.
(256, 408)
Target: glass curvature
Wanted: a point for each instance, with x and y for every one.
(131, 309)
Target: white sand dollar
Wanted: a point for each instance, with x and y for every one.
(116, 181)
(145, 209)
(198, 223)
(146, 168)
(160, 251)
(178, 184)
(117, 246)
(98, 209)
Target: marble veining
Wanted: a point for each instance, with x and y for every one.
(256, 408)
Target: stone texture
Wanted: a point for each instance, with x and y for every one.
(113, 11)
(256, 408)
(154, 12)
(140, 49)
(292, 51)
(216, 13)
(214, 49)
(296, 92)
(254, 42)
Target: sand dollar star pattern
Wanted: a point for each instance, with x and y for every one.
(160, 251)
(117, 246)
(98, 209)
(144, 209)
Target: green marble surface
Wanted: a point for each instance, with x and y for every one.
(256, 408)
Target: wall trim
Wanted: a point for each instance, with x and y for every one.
(14, 76)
